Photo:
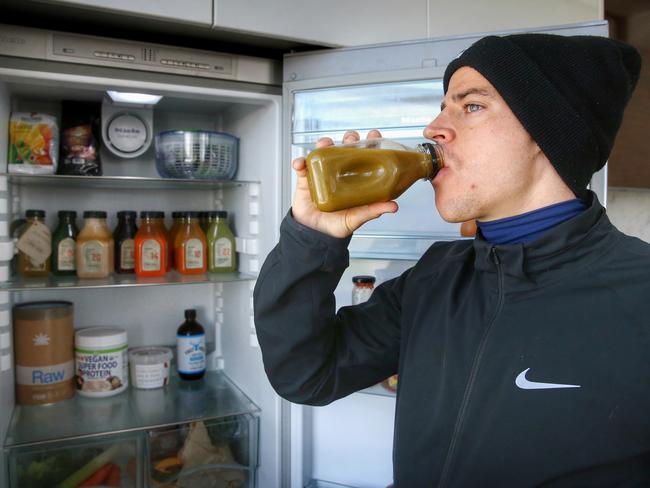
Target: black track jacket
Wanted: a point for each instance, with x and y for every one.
(519, 365)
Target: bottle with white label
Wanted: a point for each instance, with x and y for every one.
(95, 247)
(64, 244)
(124, 237)
(221, 246)
(190, 253)
(190, 348)
(34, 246)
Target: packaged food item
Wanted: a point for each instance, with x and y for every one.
(151, 245)
(190, 348)
(101, 364)
(95, 247)
(80, 135)
(374, 170)
(190, 246)
(43, 347)
(149, 367)
(221, 246)
(33, 143)
(124, 238)
(64, 244)
(362, 289)
(34, 246)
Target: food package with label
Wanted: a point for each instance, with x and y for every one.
(80, 134)
(33, 143)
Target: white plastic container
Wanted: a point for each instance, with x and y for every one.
(101, 362)
(150, 367)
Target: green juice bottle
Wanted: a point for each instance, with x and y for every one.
(221, 246)
(64, 244)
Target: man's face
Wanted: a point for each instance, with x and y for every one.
(491, 162)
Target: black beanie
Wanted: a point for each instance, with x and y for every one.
(569, 93)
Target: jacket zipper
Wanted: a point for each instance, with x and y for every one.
(460, 419)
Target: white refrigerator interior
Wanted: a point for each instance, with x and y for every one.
(150, 309)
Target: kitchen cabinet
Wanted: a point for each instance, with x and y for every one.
(334, 23)
(197, 12)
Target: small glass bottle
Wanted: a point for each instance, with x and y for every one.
(190, 348)
(151, 246)
(95, 247)
(34, 259)
(221, 246)
(362, 289)
(368, 171)
(64, 244)
(190, 246)
(124, 237)
(208, 217)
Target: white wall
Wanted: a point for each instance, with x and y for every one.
(629, 210)
(451, 17)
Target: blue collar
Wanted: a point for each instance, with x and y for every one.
(526, 227)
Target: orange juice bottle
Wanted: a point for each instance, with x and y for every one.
(190, 246)
(150, 246)
(374, 170)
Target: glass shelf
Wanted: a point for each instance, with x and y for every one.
(213, 397)
(117, 182)
(118, 281)
(378, 390)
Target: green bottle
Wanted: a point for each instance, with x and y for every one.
(64, 244)
(221, 246)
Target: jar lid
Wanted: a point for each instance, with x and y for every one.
(100, 337)
(35, 213)
(127, 213)
(150, 355)
(95, 214)
(42, 310)
(149, 214)
(67, 213)
(363, 279)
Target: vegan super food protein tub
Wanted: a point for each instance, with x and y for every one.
(101, 362)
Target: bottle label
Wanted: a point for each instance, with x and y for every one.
(151, 255)
(193, 254)
(127, 254)
(190, 353)
(93, 256)
(65, 255)
(101, 372)
(223, 253)
(36, 244)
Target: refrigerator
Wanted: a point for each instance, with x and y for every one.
(277, 110)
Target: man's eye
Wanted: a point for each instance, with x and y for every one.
(472, 107)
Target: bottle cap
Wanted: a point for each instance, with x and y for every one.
(190, 314)
(94, 214)
(363, 279)
(67, 214)
(190, 215)
(212, 214)
(221, 214)
(149, 214)
(126, 213)
(35, 213)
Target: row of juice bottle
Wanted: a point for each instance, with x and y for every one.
(196, 242)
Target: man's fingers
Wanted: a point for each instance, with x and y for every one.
(356, 217)
(324, 141)
(374, 134)
(351, 137)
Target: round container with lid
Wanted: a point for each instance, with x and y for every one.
(150, 366)
(362, 289)
(101, 362)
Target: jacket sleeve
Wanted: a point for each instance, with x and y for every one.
(312, 354)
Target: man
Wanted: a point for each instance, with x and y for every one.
(523, 355)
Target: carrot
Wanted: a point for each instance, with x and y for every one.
(98, 477)
(114, 477)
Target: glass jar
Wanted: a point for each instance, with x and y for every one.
(362, 288)
(64, 244)
(34, 246)
(124, 237)
(95, 247)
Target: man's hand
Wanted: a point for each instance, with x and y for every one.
(343, 222)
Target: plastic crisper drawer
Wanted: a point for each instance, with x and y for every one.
(204, 454)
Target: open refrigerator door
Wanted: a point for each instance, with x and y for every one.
(224, 428)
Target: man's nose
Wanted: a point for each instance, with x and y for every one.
(438, 130)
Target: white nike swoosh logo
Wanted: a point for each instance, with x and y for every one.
(524, 384)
